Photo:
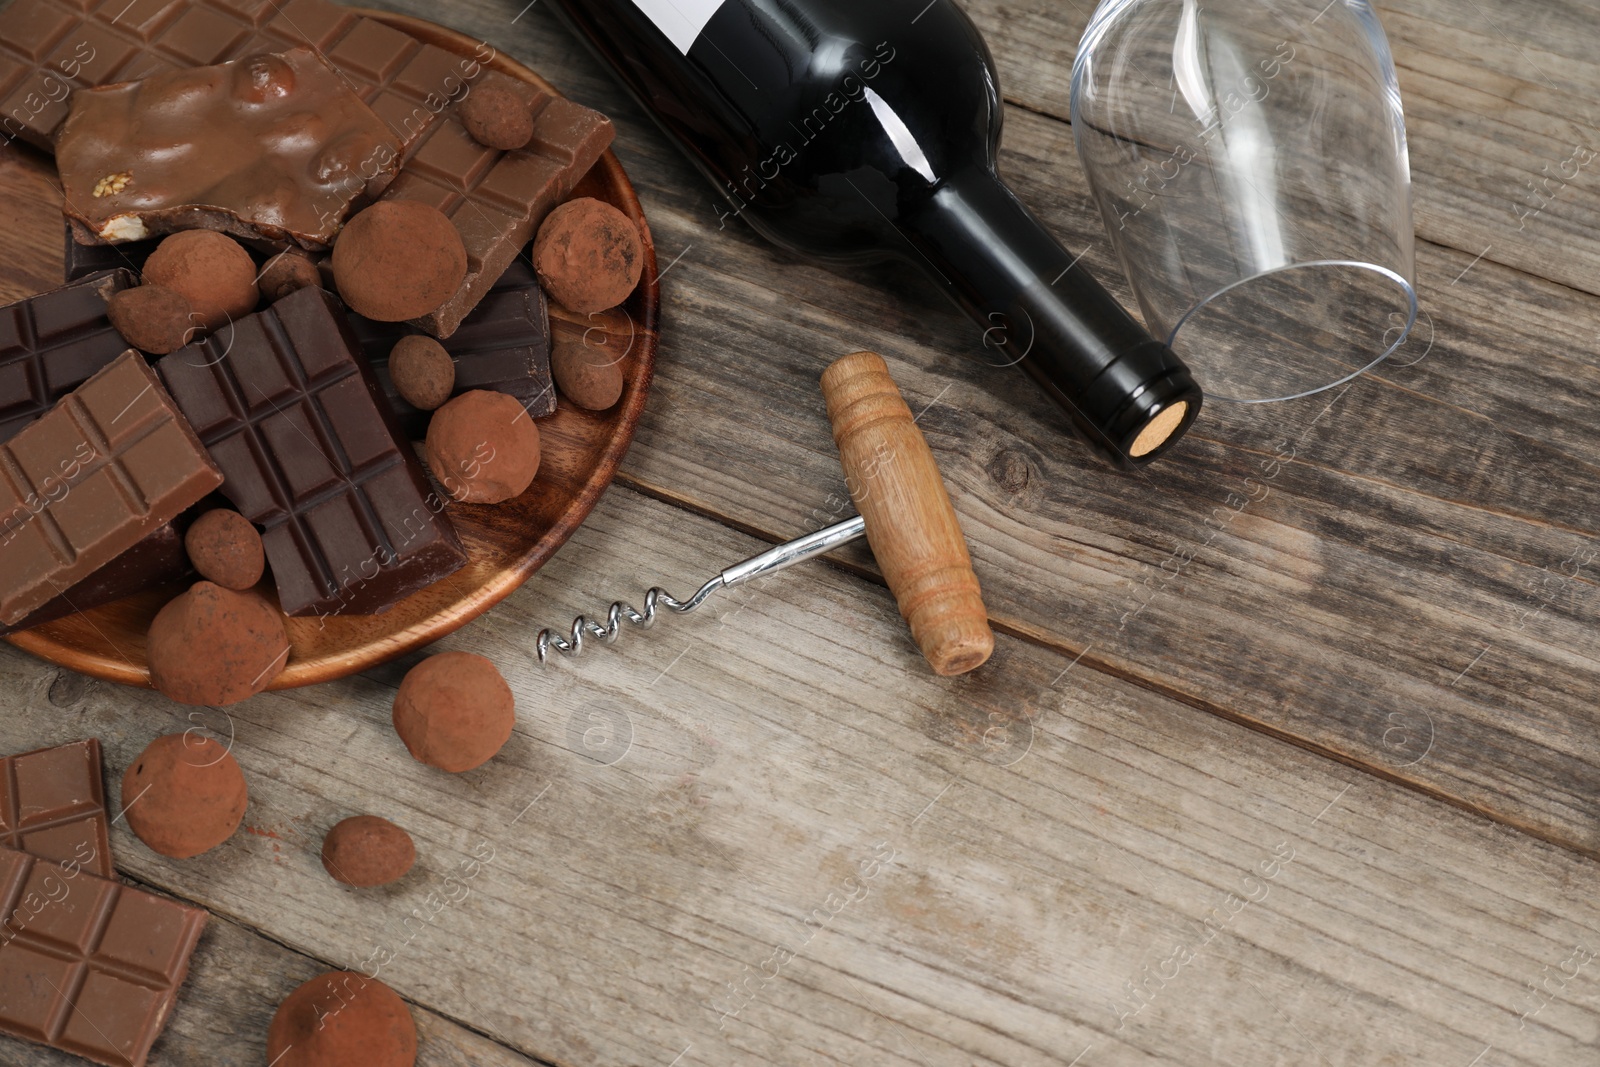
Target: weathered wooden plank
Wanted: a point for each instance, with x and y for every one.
(679, 822)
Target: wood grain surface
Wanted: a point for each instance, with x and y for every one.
(1287, 752)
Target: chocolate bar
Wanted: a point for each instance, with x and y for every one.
(271, 145)
(53, 805)
(48, 48)
(52, 343)
(90, 479)
(88, 965)
(504, 345)
(498, 199)
(159, 559)
(311, 454)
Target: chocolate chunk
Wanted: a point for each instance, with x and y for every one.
(273, 146)
(52, 343)
(504, 345)
(88, 965)
(498, 199)
(53, 805)
(159, 559)
(311, 455)
(82, 259)
(90, 479)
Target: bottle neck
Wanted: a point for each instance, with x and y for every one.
(1040, 309)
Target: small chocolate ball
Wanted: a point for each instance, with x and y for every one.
(366, 851)
(589, 377)
(423, 372)
(398, 260)
(497, 118)
(212, 271)
(153, 318)
(184, 794)
(226, 549)
(216, 646)
(288, 272)
(340, 1019)
(483, 447)
(588, 255)
(454, 711)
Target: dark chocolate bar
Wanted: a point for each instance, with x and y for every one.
(270, 145)
(53, 805)
(88, 965)
(311, 454)
(90, 479)
(52, 343)
(159, 559)
(504, 345)
(498, 199)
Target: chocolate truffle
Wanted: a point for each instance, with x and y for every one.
(588, 255)
(398, 260)
(589, 377)
(288, 272)
(226, 549)
(454, 711)
(341, 1019)
(483, 447)
(496, 117)
(215, 646)
(153, 318)
(184, 794)
(365, 851)
(423, 372)
(213, 272)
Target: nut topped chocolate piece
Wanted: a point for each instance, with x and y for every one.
(271, 146)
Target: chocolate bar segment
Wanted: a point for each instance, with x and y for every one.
(504, 345)
(311, 454)
(498, 199)
(91, 478)
(88, 965)
(53, 805)
(159, 559)
(271, 146)
(52, 343)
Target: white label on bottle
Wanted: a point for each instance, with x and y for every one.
(680, 20)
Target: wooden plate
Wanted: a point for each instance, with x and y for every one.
(505, 542)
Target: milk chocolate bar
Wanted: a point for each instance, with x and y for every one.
(91, 478)
(48, 48)
(311, 454)
(271, 146)
(53, 805)
(504, 345)
(158, 559)
(51, 343)
(498, 199)
(88, 965)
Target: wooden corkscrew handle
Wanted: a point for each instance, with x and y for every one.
(911, 523)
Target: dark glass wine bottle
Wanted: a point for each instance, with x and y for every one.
(850, 130)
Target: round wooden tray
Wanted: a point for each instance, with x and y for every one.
(505, 543)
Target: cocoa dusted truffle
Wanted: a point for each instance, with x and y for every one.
(366, 851)
(423, 372)
(454, 711)
(339, 1019)
(483, 447)
(588, 255)
(184, 794)
(590, 377)
(496, 117)
(288, 272)
(226, 549)
(398, 260)
(153, 318)
(212, 271)
(212, 645)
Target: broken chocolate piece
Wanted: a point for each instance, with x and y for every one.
(159, 559)
(53, 805)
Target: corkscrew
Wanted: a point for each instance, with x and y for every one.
(905, 514)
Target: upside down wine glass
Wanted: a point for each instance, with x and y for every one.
(1249, 159)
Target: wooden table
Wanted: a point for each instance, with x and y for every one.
(1325, 793)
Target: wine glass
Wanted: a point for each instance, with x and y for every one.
(1249, 158)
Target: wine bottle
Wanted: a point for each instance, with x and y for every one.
(851, 130)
